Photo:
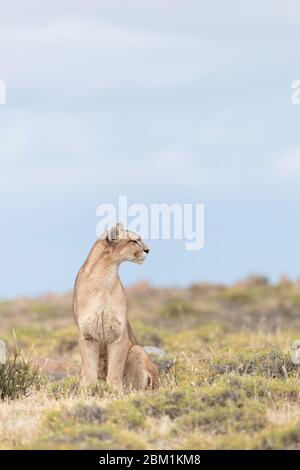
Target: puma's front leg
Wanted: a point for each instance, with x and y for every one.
(89, 350)
(117, 354)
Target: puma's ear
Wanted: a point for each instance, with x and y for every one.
(114, 233)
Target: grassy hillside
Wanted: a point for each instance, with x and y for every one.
(232, 384)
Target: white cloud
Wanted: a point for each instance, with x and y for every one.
(15, 139)
(210, 132)
(289, 164)
(99, 45)
(232, 15)
(95, 54)
(175, 165)
(91, 35)
(77, 163)
(94, 50)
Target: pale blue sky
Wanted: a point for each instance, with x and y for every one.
(165, 101)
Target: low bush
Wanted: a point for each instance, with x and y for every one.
(17, 377)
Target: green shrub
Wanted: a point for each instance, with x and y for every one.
(272, 364)
(16, 377)
(72, 386)
(85, 413)
(288, 437)
(246, 417)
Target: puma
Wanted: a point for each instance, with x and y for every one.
(108, 346)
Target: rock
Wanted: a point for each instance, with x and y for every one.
(2, 352)
(159, 357)
(295, 352)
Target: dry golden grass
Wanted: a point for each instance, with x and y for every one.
(232, 384)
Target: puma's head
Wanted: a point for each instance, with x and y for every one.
(125, 245)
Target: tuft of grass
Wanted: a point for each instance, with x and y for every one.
(86, 413)
(126, 414)
(17, 377)
(274, 363)
(72, 387)
(194, 340)
(84, 426)
(288, 437)
(250, 418)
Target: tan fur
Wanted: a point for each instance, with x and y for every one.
(107, 344)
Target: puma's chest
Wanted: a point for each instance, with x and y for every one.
(113, 322)
(105, 319)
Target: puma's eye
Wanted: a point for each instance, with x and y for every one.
(135, 241)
